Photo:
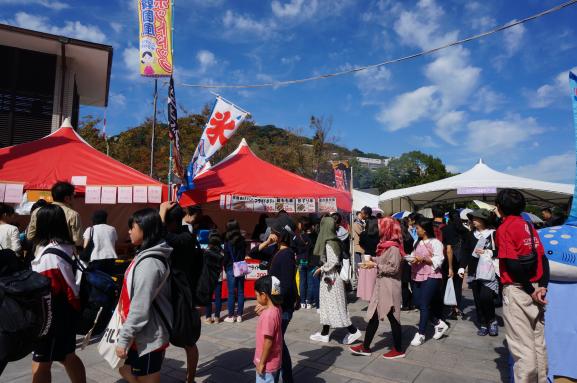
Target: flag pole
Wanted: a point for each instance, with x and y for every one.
(170, 141)
(153, 128)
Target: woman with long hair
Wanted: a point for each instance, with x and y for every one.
(234, 251)
(333, 303)
(144, 305)
(54, 254)
(386, 299)
(426, 262)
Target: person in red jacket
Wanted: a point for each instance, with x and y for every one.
(524, 273)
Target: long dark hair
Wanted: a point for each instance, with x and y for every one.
(456, 222)
(51, 226)
(150, 223)
(233, 234)
(427, 225)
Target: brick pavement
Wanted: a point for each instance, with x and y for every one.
(226, 352)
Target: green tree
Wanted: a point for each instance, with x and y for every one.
(88, 130)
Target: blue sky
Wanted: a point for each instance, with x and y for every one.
(504, 98)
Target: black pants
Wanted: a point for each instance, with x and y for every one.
(484, 303)
(395, 329)
(405, 282)
(104, 265)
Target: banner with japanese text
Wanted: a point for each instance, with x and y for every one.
(155, 36)
(572, 220)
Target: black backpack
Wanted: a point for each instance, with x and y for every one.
(369, 237)
(185, 329)
(98, 295)
(25, 308)
(211, 270)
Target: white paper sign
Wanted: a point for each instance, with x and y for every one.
(2, 191)
(242, 203)
(327, 205)
(78, 180)
(306, 205)
(140, 194)
(92, 195)
(108, 195)
(286, 204)
(13, 193)
(222, 201)
(125, 194)
(155, 194)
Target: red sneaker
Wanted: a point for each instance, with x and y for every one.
(360, 350)
(394, 354)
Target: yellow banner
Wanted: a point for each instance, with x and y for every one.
(155, 21)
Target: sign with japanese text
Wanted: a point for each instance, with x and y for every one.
(92, 195)
(2, 190)
(13, 193)
(125, 194)
(306, 205)
(286, 204)
(140, 194)
(155, 194)
(241, 203)
(327, 205)
(155, 36)
(108, 195)
(476, 190)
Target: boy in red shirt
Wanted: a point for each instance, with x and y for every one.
(524, 273)
(268, 352)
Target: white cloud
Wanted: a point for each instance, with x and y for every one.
(54, 5)
(117, 100)
(117, 27)
(408, 108)
(452, 168)
(513, 37)
(74, 29)
(131, 58)
(374, 80)
(294, 8)
(555, 168)
(449, 124)
(483, 23)
(493, 136)
(237, 23)
(424, 141)
(486, 100)
(290, 60)
(549, 93)
(206, 59)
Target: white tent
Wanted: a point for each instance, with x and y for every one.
(362, 199)
(480, 182)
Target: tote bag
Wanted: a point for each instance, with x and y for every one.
(485, 268)
(107, 345)
(450, 298)
(345, 270)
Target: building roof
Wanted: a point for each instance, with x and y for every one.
(92, 61)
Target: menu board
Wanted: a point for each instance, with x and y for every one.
(155, 194)
(327, 205)
(108, 195)
(241, 203)
(286, 204)
(13, 193)
(2, 190)
(140, 194)
(125, 194)
(92, 195)
(306, 205)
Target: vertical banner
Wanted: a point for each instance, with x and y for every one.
(173, 132)
(155, 33)
(572, 220)
(340, 168)
(222, 124)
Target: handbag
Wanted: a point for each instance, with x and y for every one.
(345, 273)
(86, 253)
(240, 268)
(107, 345)
(450, 298)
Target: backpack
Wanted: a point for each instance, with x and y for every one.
(25, 309)
(211, 270)
(369, 237)
(185, 329)
(98, 295)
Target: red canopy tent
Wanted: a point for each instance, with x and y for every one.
(63, 155)
(243, 173)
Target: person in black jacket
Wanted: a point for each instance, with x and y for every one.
(234, 251)
(304, 243)
(187, 257)
(282, 265)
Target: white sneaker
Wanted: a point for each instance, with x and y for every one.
(317, 337)
(318, 311)
(309, 306)
(239, 319)
(440, 330)
(352, 338)
(418, 340)
(303, 305)
(229, 319)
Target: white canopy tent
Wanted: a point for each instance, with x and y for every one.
(362, 199)
(480, 182)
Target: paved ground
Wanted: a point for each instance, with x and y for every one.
(227, 350)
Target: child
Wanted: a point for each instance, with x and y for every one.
(268, 352)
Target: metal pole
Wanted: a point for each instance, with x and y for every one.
(153, 127)
(170, 171)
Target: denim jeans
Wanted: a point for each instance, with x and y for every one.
(287, 365)
(423, 295)
(267, 377)
(313, 289)
(232, 284)
(217, 302)
(303, 283)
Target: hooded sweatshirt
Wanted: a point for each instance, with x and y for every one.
(143, 324)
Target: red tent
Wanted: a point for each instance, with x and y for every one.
(243, 173)
(61, 156)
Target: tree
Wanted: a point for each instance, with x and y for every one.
(88, 129)
(321, 139)
(363, 178)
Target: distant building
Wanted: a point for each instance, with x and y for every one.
(44, 79)
(373, 163)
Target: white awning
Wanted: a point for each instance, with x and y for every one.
(362, 199)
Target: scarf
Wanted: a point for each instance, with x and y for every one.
(390, 235)
(327, 235)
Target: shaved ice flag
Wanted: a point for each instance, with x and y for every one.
(222, 124)
(572, 220)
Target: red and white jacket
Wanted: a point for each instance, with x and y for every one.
(60, 272)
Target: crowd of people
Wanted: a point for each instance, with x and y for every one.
(395, 266)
